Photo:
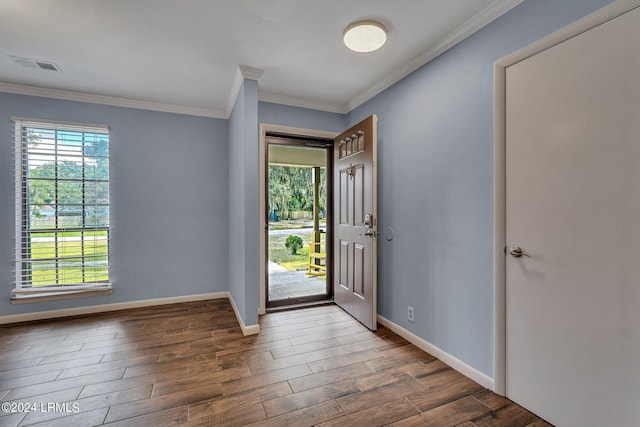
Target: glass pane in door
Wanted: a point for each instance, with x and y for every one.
(297, 224)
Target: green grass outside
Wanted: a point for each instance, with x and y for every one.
(280, 254)
(68, 276)
(277, 226)
(44, 250)
(68, 233)
(43, 273)
(294, 224)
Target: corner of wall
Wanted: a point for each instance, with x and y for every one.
(243, 203)
(246, 329)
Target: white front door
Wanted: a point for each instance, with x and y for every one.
(573, 228)
(355, 218)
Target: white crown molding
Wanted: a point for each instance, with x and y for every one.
(110, 100)
(242, 73)
(481, 19)
(301, 102)
(233, 95)
(250, 72)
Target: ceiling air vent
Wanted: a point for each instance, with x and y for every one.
(36, 63)
(47, 66)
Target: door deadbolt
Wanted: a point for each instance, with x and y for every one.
(368, 221)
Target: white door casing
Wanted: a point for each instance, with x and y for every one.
(571, 135)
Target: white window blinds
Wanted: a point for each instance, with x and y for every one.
(62, 209)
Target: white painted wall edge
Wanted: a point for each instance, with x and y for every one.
(95, 309)
(246, 330)
(466, 370)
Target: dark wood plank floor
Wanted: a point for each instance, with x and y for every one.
(189, 364)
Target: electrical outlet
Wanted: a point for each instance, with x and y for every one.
(410, 313)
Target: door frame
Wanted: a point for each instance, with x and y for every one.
(262, 154)
(500, 208)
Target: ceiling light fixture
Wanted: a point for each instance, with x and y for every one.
(365, 36)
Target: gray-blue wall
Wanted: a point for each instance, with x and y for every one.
(284, 115)
(236, 204)
(169, 211)
(435, 183)
(251, 203)
(244, 249)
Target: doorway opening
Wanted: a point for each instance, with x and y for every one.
(298, 232)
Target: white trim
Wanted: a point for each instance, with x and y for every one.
(455, 363)
(242, 73)
(499, 238)
(480, 20)
(33, 298)
(500, 286)
(55, 124)
(580, 26)
(94, 309)
(250, 72)
(246, 330)
(233, 95)
(17, 199)
(264, 128)
(111, 100)
(25, 292)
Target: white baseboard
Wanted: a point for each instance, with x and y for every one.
(246, 330)
(94, 309)
(466, 370)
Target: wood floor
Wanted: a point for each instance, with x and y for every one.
(188, 364)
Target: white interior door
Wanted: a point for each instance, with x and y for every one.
(573, 207)
(355, 219)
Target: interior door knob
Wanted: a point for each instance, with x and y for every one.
(517, 252)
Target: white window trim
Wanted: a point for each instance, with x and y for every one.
(52, 293)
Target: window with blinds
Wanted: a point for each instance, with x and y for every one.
(62, 210)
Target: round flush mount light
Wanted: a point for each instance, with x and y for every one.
(365, 36)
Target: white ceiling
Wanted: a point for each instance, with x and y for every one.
(183, 55)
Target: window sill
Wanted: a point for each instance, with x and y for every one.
(30, 296)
